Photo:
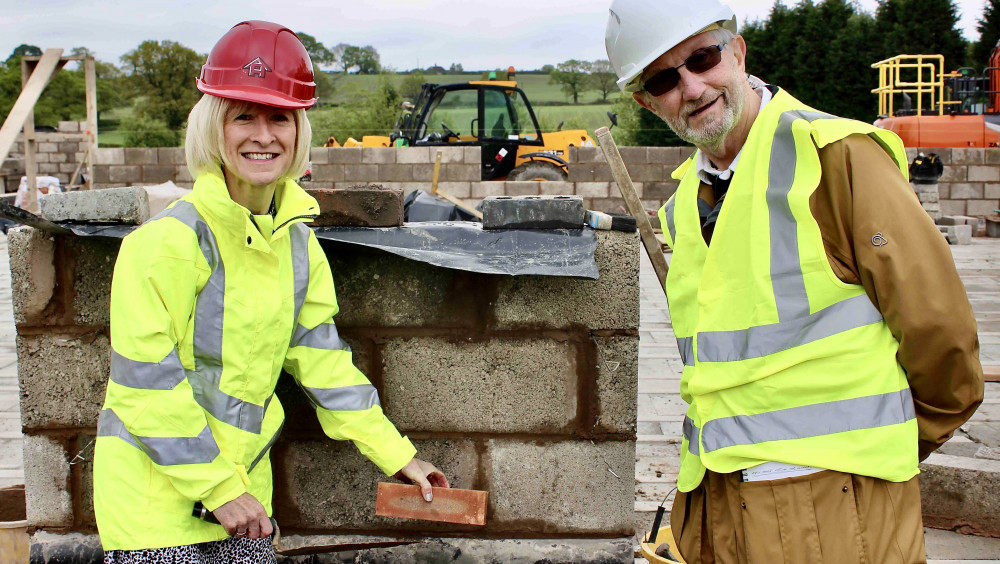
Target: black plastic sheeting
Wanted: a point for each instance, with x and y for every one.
(421, 206)
(459, 245)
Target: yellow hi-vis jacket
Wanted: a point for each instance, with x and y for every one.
(783, 361)
(205, 314)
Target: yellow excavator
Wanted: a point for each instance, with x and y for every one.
(494, 115)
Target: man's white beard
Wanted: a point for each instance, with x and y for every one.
(712, 135)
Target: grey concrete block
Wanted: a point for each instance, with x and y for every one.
(126, 174)
(327, 485)
(611, 302)
(140, 156)
(69, 127)
(565, 487)
(378, 155)
(158, 174)
(457, 172)
(60, 548)
(344, 155)
(376, 289)
(360, 172)
(62, 379)
(93, 266)
(109, 156)
(981, 207)
(117, 205)
(957, 234)
(414, 155)
(33, 273)
(967, 156)
(515, 551)
(395, 172)
(522, 188)
(533, 212)
(960, 493)
(170, 156)
(47, 497)
(496, 386)
(617, 383)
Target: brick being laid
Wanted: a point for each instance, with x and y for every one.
(450, 505)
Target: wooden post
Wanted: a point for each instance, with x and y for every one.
(30, 166)
(632, 203)
(447, 196)
(90, 77)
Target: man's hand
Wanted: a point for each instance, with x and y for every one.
(244, 517)
(424, 474)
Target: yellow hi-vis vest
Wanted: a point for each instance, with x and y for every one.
(783, 362)
(205, 314)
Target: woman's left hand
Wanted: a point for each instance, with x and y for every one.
(423, 474)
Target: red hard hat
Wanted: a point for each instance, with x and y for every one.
(260, 62)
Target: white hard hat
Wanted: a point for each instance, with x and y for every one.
(639, 31)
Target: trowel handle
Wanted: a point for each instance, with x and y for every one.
(656, 524)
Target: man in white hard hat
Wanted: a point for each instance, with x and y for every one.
(827, 340)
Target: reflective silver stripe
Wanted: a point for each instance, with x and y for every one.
(208, 330)
(323, 336)
(669, 214)
(686, 347)
(762, 340)
(786, 271)
(163, 375)
(165, 451)
(691, 434)
(298, 235)
(266, 448)
(345, 398)
(807, 421)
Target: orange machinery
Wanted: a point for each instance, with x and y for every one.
(968, 117)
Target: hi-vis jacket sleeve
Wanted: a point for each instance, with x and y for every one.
(150, 403)
(878, 235)
(346, 403)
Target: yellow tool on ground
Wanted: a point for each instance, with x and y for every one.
(663, 536)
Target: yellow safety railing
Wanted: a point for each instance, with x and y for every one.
(890, 82)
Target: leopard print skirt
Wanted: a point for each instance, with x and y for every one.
(229, 551)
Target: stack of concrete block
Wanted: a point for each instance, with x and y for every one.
(970, 184)
(929, 198)
(524, 387)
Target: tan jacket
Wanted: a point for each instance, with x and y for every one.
(908, 273)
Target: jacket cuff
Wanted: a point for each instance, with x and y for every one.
(394, 457)
(232, 488)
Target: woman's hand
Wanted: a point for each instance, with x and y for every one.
(424, 474)
(244, 517)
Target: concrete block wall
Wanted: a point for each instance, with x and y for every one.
(56, 153)
(970, 184)
(525, 387)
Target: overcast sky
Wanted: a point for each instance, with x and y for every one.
(478, 34)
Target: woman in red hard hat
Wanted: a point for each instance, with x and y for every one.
(210, 301)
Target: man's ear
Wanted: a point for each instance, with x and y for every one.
(640, 98)
(739, 47)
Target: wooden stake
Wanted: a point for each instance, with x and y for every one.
(90, 78)
(25, 104)
(446, 196)
(632, 203)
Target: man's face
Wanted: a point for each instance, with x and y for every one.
(703, 108)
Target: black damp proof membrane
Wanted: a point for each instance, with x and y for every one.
(458, 245)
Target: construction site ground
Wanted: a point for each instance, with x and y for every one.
(660, 409)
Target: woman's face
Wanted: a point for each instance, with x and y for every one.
(259, 143)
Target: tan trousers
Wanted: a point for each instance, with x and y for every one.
(822, 518)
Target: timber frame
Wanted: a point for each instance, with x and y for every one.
(36, 73)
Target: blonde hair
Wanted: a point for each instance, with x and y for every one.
(205, 138)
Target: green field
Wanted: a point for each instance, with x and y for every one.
(536, 86)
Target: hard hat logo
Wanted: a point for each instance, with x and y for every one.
(257, 67)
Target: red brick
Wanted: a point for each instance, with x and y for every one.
(450, 505)
(360, 206)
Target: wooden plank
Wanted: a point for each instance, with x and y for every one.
(450, 505)
(991, 373)
(30, 202)
(90, 78)
(25, 104)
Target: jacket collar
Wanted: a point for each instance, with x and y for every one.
(292, 203)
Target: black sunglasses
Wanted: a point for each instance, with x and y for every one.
(700, 61)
